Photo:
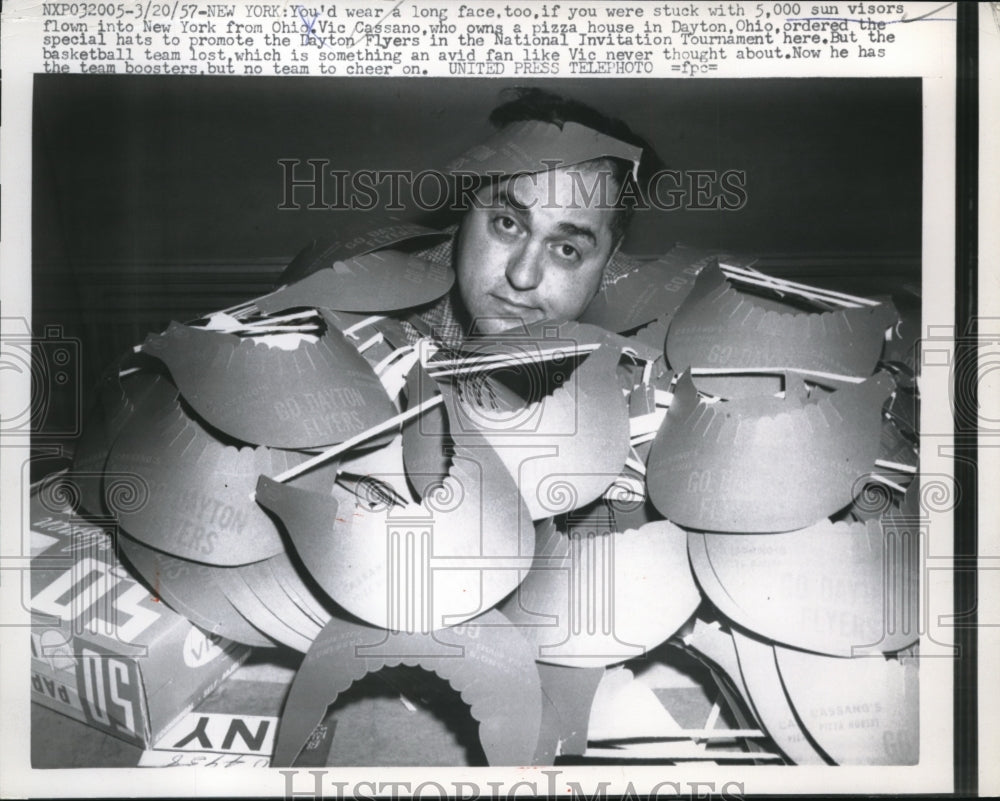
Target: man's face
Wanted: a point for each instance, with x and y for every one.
(537, 251)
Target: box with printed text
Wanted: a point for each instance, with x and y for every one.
(104, 649)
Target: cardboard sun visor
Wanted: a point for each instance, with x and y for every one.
(842, 589)
(383, 464)
(720, 327)
(714, 647)
(264, 584)
(720, 466)
(741, 386)
(192, 589)
(376, 337)
(487, 661)
(564, 450)
(318, 394)
(299, 588)
(630, 510)
(625, 709)
(357, 238)
(598, 598)
(905, 411)
(652, 336)
(862, 711)
(567, 697)
(908, 512)
(770, 703)
(383, 281)
(531, 146)
(653, 292)
(895, 471)
(365, 326)
(414, 567)
(116, 399)
(526, 341)
(395, 333)
(426, 446)
(904, 346)
(267, 608)
(187, 493)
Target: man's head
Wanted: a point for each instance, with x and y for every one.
(532, 253)
(535, 247)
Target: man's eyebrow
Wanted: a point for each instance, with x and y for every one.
(507, 197)
(572, 229)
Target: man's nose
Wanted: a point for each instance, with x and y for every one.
(525, 267)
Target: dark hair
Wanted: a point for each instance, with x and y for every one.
(522, 103)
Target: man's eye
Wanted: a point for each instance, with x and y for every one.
(506, 225)
(567, 252)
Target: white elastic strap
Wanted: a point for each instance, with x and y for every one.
(352, 331)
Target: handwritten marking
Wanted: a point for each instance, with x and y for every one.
(322, 41)
(872, 20)
(923, 17)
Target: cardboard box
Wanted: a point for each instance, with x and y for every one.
(105, 650)
(237, 724)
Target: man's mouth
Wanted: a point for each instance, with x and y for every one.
(514, 307)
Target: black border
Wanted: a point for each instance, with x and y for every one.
(965, 739)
